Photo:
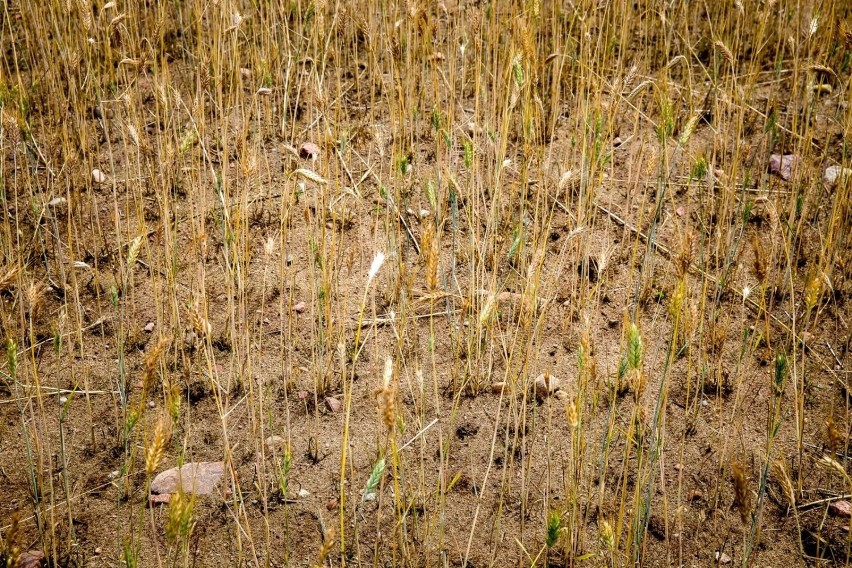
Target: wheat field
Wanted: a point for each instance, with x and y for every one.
(428, 284)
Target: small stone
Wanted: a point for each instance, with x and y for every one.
(303, 395)
(560, 395)
(723, 558)
(309, 150)
(331, 504)
(98, 550)
(152, 404)
(304, 493)
(57, 202)
(149, 327)
(332, 403)
(114, 474)
(678, 466)
(680, 211)
(833, 174)
(807, 337)
(245, 72)
(695, 495)
(300, 307)
(190, 339)
(841, 509)
(546, 385)
(617, 141)
(289, 259)
(98, 176)
(157, 499)
(497, 388)
(783, 166)
(63, 400)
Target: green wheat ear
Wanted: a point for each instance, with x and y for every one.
(373, 481)
(780, 371)
(634, 348)
(12, 357)
(554, 524)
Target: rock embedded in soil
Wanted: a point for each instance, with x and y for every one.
(783, 166)
(98, 176)
(300, 307)
(723, 558)
(309, 150)
(841, 509)
(833, 174)
(546, 385)
(30, 559)
(332, 404)
(199, 478)
(497, 388)
(149, 327)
